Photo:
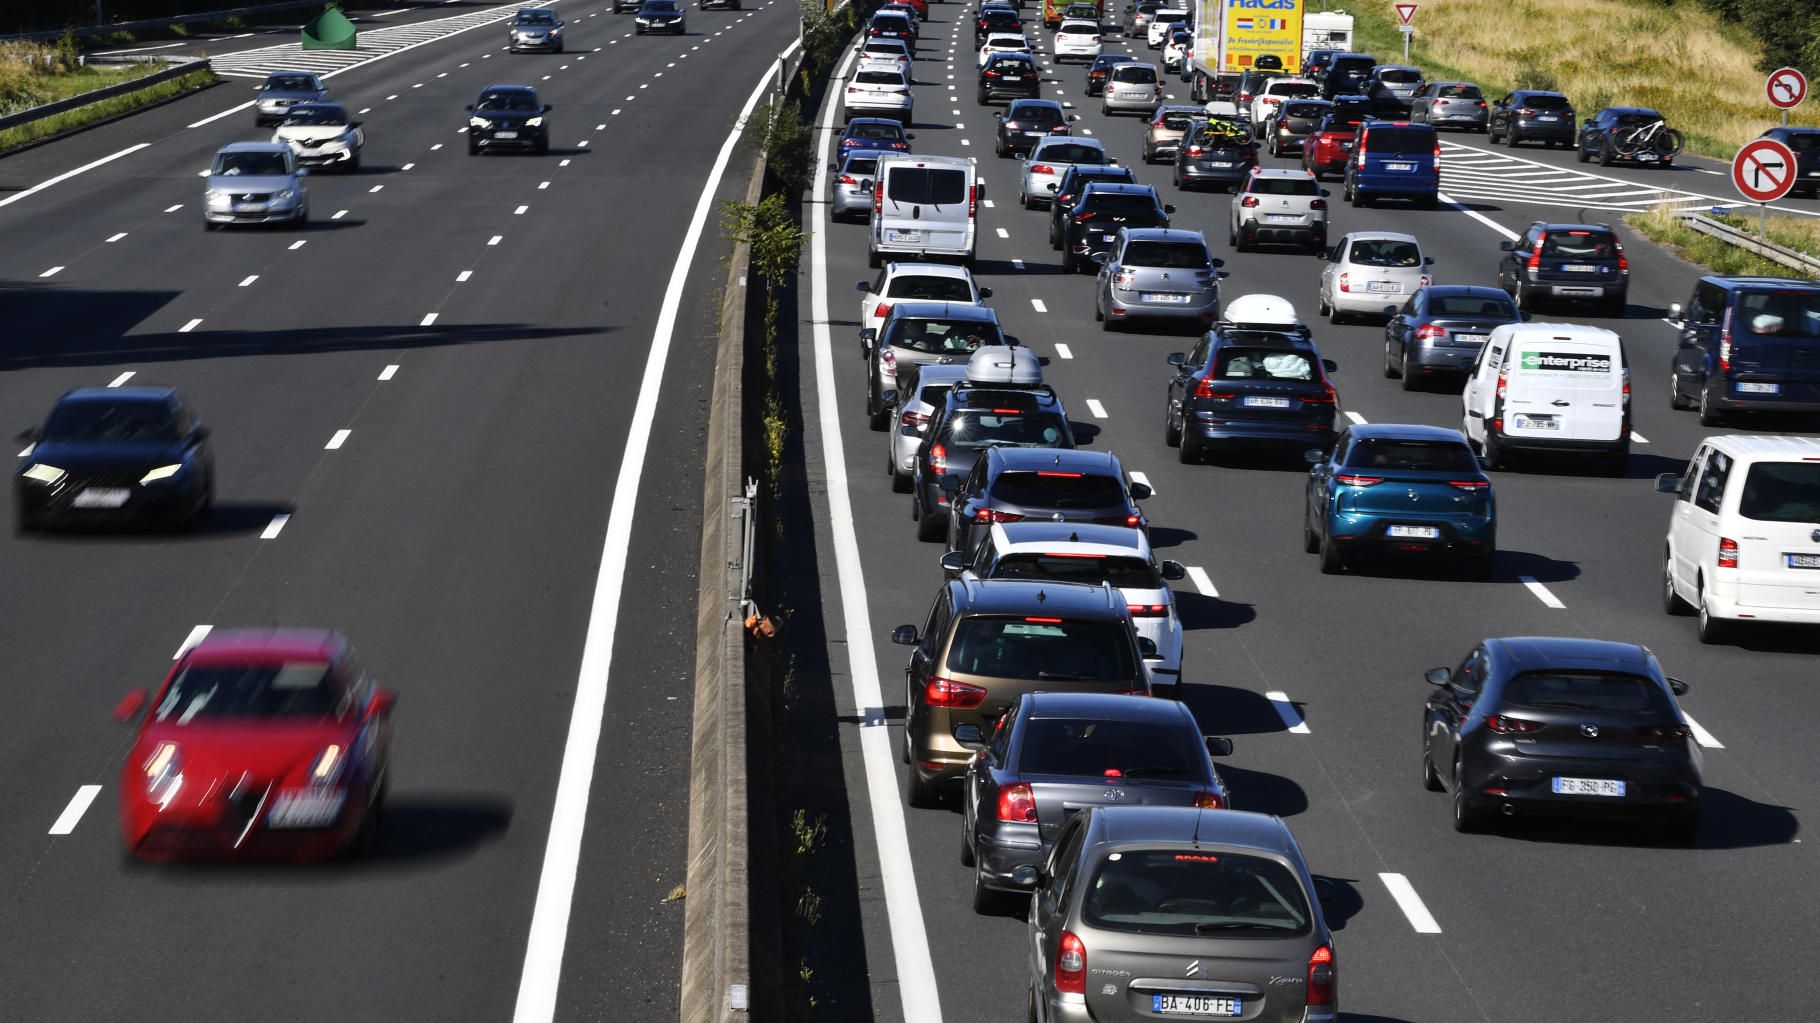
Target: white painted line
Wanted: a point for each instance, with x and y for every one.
(1355, 417)
(564, 162)
(1292, 718)
(419, 85)
(1037, 303)
(435, 147)
(339, 214)
(966, 142)
(375, 188)
(537, 986)
(78, 805)
(173, 209)
(52, 272)
(192, 325)
(27, 453)
(1017, 264)
(462, 277)
(1541, 592)
(1098, 410)
(1639, 438)
(274, 527)
(541, 185)
(520, 211)
(196, 635)
(249, 280)
(1410, 903)
(298, 244)
(121, 379)
(335, 442)
(388, 373)
(407, 166)
(1002, 233)
(1202, 581)
(393, 96)
(1062, 350)
(115, 237)
(428, 319)
(1500, 229)
(216, 117)
(495, 239)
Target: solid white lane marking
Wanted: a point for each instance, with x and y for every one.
(1355, 417)
(388, 373)
(1002, 233)
(520, 211)
(428, 319)
(335, 442)
(1410, 903)
(121, 379)
(116, 237)
(1292, 718)
(275, 527)
(1701, 735)
(78, 805)
(1062, 350)
(1094, 406)
(1202, 581)
(196, 636)
(463, 276)
(250, 278)
(298, 244)
(537, 986)
(495, 239)
(52, 272)
(1639, 438)
(216, 117)
(1039, 306)
(1500, 229)
(192, 325)
(173, 209)
(1541, 592)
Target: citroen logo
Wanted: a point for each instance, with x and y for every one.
(1814, 536)
(1194, 969)
(1590, 731)
(1412, 495)
(1115, 795)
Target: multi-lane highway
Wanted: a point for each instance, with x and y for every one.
(1318, 678)
(431, 410)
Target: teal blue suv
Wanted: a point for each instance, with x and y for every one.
(1398, 492)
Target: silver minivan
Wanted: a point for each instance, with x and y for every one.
(924, 207)
(1158, 273)
(1133, 88)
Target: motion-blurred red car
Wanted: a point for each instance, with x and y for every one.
(261, 744)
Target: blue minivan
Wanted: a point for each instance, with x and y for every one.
(1394, 160)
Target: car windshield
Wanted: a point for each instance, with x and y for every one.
(1459, 92)
(979, 429)
(1471, 305)
(1545, 102)
(247, 165)
(1069, 152)
(1781, 492)
(290, 689)
(291, 83)
(316, 116)
(1608, 692)
(1057, 490)
(1173, 255)
(1189, 891)
(937, 336)
(513, 99)
(1103, 750)
(1140, 74)
(930, 289)
(1779, 313)
(1043, 648)
(1283, 186)
(1803, 141)
(1384, 252)
(1120, 204)
(537, 17)
(111, 421)
(1264, 364)
(1125, 573)
(1578, 245)
(1416, 455)
(938, 186)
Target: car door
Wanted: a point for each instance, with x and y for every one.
(1320, 482)
(1397, 330)
(963, 506)
(1701, 323)
(1510, 268)
(1448, 707)
(1702, 523)
(1049, 904)
(1481, 388)
(1683, 538)
(1418, 102)
(1334, 257)
(916, 669)
(1182, 381)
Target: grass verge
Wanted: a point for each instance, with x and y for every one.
(69, 120)
(1660, 225)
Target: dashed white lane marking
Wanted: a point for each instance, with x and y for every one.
(1639, 438)
(428, 319)
(1355, 417)
(1410, 903)
(463, 276)
(274, 527)
(1202, 581)
(407, 166)
(388, 373)
(988, 203)
(196, 636)
(1038, 305)
(116, 237)
(1002, 233)
(419, 85)
(615, 112)
(495, 239)
(1541, 592)
(1701, 735)
(78, 805)
(564, 162)
(435, 147)
(192, 325)
(1063, 350)
(52, 272)
(250, 278)
(375, 188)
(298, 244)
(1138, 477)
(1094, 406)
(1292, 718)
(442, 74)
(339, 214)
(335, 442)
(121, 379)
(520, 211)
(541, 185)
(173, 209)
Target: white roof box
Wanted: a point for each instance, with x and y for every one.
(1268, 311)
(1005, 365)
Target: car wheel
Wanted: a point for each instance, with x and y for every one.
(1481, 567)
(353, 166)
(1239, 242)
(1068, 266)
(473, 148)
(1682, 827)
(1672, 603)
(1493, 137)
(1710, 414)
(1321, 306)
(1030, 1011)
(917, 792)
(1390, 370)
(929, 529)
(1188, 452)
(1431, 778)
(1406, 372)
(1468, 816)
(1676, 400)
(967, 859)
(1332, 561)
(1311, 541)
(1605, 156)
(1617, 307)
(1710, 629)
(1511, 140)
(209, 225)
(873, 259)
(1494, 451)
(1580, 153)
(543, 145)
(987, 901)
(879, 420)
(1335, 316)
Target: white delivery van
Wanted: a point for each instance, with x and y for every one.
(924, 207)
(1549, 387)
(1744, 539)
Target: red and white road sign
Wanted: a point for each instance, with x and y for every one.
(1408, 12)
(1764, 170)
(1787, 87)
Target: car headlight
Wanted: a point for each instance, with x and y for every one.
(283, 195)
(44, 473)
(163, 472)
(556, 31)
(535, 122)
(479, 122)
(163, 773)
(326, 769)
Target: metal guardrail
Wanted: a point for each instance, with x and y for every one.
(181, 19)
(36, 113)
(1751, 243)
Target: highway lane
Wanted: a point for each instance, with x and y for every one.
(1551, 920)
(453, 532)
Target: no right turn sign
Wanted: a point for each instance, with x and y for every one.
(1764, 170)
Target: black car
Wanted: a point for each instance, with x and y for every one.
(1292, 123)
(1056, 753)
(534, 28)
(1243, 387)
(1009, 76)
(626, 6)
(1316, 62)
(508, 117)
(995, 20)
(1440, 330)
(971, 421)
(1215, 151)
(892, 25)
(1068, 189)
(1346, 75)
(1093, 221)
(660, 16)
(1392, 87)
(113, 455)
(1748, 344)
(1566, 263)
(1632, 134)
(1014, 484)
(1805, 144)
(1572, 727)
(1351, 108)
(727, 5)
(1528, 115)
(1100, 68)
(1028, 121)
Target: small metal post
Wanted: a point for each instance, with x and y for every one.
(1763, 221)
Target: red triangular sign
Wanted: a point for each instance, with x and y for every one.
(1406, 12)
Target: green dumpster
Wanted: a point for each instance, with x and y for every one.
(330, 30)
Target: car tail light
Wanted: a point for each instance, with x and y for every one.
(1082, 218)
(991, 74)
(1013, 126)
(1665, 731)
(1071, 965)
(1437, 156)
(1249, 201)
(1096, 39)
(1017, 804)
(878, 200)
(1623, 260)
(851, 89)
(887, 362)
(938, 460)
(1473, 486)
(1725, 342)
(1480, 103)
(1322, 977)
(1345, 282)
(1426, 280)
(1728, 552)
(1208, 801)
(916, 419)
(973, 203)
(1503, 378)
(1526, 111)
(1348, 479)
(1205, 390)
(1431, 332)
(1041, 168)
(1504, 724)
(1148, 610)
(1328, 396)
(1122, 280)
(1244, 97)
(1535, 254)
(1196, 151)
(1317, 204)
(945, 692)
(883, 310)
(848, 179)
(988, 515)
(1627, 387)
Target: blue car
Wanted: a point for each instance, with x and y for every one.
(1395, 160)
(1396, 491)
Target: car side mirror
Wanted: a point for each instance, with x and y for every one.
(985, 292)
(1175, 359)
(1147, 648)
(863, 287)
(1674, 311)
(1506, 246)
(1438, 676)
(968, 735)
(904, 635)
(1325, 890)
(954, 561)
(303, 172)
(200, 432)
(1174, 571)
(1314, 456)
(1140, 491)
(911, 136)
(1169, 207)
(866, 184)
(1668, 483)
(1073, 118)
(355, 124)
(1219, 746)
(1330, 366)
(129, 705)
(1325, 193)
(547, 107)
(951, 484)
(1390, 310)
(1217, 263)
(1428, 261)
(470, 108)
(1675, 685)
(1102, 257)
(1112, 161)
(1027, 876)
(868, 335)
(382, 703)
(1053, 186)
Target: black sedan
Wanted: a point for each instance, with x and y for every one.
(1440, 330)
(660, 16)
(1093, 222)
(1028, 121)
(1572, 727)
(116, 454)
(508, 117)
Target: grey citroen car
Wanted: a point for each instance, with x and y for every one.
(283, 90)
(1147, 912)
(1158, 273)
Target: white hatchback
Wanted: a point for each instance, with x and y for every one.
(1162, 23)
(1077, 40)
(916, 282)
(1369, 270)
(1278, 91)
(887, 50)
(879, 89)
(1003, 42)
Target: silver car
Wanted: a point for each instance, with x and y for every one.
(917, 395)
(255, 183)
(1049, 159)
(535, 28)
(1131, 89)
(1367, 271)
(1158, 273)
(850, 184)
(283, 90)
(1143, 912)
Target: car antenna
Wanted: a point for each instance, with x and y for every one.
(1074, 538)
(1042, 596)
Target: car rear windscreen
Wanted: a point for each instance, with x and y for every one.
(1264, 364)
(1637, 120)
(1803, 141)
(875, 132)
(1073, 152)
(1299, 90)
(1384, 252)
(1305, 111)
(1779, 313)
(1353, 66)
(1578, 245)
(1193, 891)
(1381, 139)
(1413, 455)
(1036, 117)
(1178, 120)
(1125, 573)
(939, 186)
(862, 165)
(1118, 204)
(1102, 750)
(1468, 305)
(1174, 255)
(1546, 102)
(1283, 186)
(1142, 74)
(1043, 647)
(1400, 76)
(1781, 492)
(946, 336)
(1596, 691)
(879, 78)
(930, 289)
(1459, 92)
(978, 429)
(1057, 490)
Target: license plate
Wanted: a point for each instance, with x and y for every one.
(1802, 560)
(304, 809)
(1163, 296)
(1578, 292)
(904, 236)
(1012, 78)
(1418, 532)
(101, 497)
(1346, 145)
(1107, 237)
(1538, 422)
(1400, 166)
(1580, 268)
(1384, 287)
(1470, 339)
(1265, 401)
(1647, 157)
(1548, 117)
(1753, 387)
(1282, 218)
(505, 134)
(1588, 787)
(1195, 1005)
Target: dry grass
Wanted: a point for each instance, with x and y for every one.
(32, 74)
(1680, 60)
(1662, 227)
(69, 120)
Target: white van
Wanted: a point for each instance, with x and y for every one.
(1549, 387)
(1744, 538)
(924, 207)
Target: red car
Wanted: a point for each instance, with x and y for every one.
(1326, 150)
(261, 744)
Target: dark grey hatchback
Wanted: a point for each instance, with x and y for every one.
(1015, 484)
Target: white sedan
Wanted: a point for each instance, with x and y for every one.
(1004, 42)
(1077, 40)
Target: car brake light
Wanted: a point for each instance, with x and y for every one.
(1081, 218)
(1147, 610)
(1041, 168)
(1017, 804)
(883, 310)
(1353, 480)
(916, 419)
(848, 179)
(1317, 204)
(1728, 552)
(945, 692)
(1503, 376)
(1480, 103)
(1249, 201)
(1623, 261)
(1535, 254)
(1426, 281)
(1321, 977)
(988, 515)
(1437, 156)
(1725, 342)
(1504, 724)
(1013, 126)
(1207, 801)
(1205, 390)
(878, 200)
(1071, 966)
(1431, 332)
(1122, 280)
(1526, 111)
(1328, 396)
(1273, 100)
(1345, 282)
(973, 202)
(1475, 486)
(991, 74)
(1196, 151)
(1627, 387)
(938, 460)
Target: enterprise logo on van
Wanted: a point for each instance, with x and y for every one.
(1561, 363)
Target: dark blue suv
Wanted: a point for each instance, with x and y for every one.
(1249, 388)
(1748, 344)
(1395, 160)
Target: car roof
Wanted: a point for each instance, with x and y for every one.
(940, 373)
(1186, 825)
(1077, 140)
(1118, 188)
(1379, 236)
(267, 643)
(943, 310)
(1555, 331)
(1533, 653)
(1040, 597)
(1079, 537)
(1730, 283)
(508, 87)
(288, 74)
(915, 160)
(1631, 110)
(254, 147)
(1164, 234)
(1537, 92)
(1096, 463)
(1406, 431)
(1396, 67)
(1080, 23)
(893, 122)
(114, 395)
(1744, 446)
(894, 268)
(1572, 227)
(866, 154)
(1353, 53)
(1047, 104)
(883, 66)
(1281, 172)
(1105, 707)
